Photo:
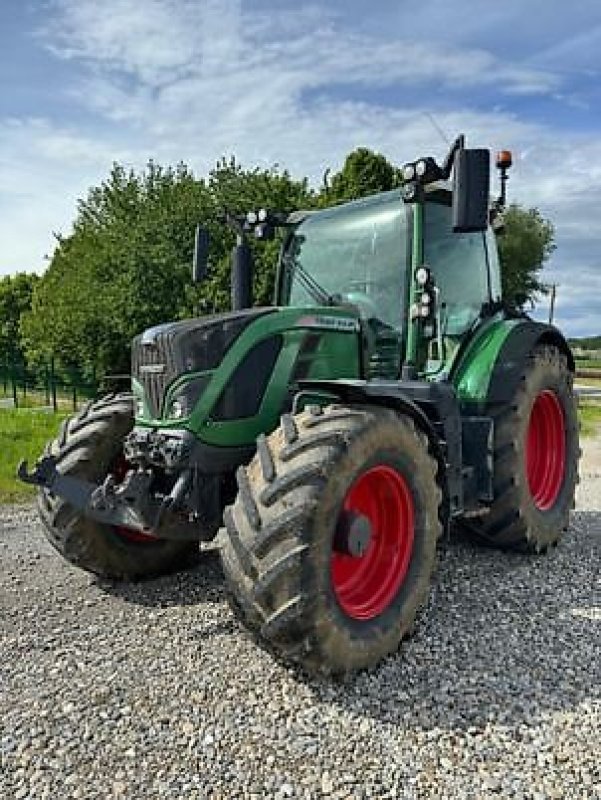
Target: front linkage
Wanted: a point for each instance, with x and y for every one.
(131, 503)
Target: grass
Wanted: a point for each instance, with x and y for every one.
(23, 434)
(588, 363)
(590, 419)
(595, 382)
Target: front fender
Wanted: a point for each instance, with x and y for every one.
(427, 404)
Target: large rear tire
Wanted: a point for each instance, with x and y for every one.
(536, 455)
(89, 446)
(325, 483)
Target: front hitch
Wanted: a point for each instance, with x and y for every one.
(128, 504)
(42, 475)
(46, 476)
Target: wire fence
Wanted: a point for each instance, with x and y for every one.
(46, 388)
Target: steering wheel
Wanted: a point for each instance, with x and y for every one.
(365, 305)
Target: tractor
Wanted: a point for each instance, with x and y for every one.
(329, 442)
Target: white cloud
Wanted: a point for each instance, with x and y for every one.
(154, 41)
(215, 39)
(43, 170)
(195, 80)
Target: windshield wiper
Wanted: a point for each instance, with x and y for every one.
(308, 282)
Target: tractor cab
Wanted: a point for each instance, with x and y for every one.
(358, 255)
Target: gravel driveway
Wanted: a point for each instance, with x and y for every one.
(151, 690)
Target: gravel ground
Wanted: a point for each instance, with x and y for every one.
(151, 690)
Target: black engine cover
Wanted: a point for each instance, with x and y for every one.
(163, 353)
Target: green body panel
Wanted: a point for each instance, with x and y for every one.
(335, 356)
(472, 373)
(417, 259)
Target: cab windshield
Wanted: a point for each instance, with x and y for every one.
(352, 254)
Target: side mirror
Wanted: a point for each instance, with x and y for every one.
(242, 276)
(471, 188)
(201, 254)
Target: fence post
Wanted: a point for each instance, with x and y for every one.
(47, 383)
(13, 380)
(53, 385)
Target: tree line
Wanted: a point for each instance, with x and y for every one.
(126, 264)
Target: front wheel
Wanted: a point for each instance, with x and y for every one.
(331, 542)
(90, 446)
(535, 458)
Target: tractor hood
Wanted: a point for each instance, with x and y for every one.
(163, 353)
(229, 376)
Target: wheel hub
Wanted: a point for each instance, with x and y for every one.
(353, 534)
(373, 542)
(546, 450)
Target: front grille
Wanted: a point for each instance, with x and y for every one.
(155, 366)
(162, 354)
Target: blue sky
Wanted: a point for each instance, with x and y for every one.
(85, 83)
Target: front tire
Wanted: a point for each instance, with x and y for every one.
(89, 446)
(324, 477)
(536, 455)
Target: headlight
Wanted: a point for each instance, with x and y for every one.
(184, 399)
(178, 409)
(408, 172)
(422, 275)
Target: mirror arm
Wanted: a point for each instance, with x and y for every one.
(457, 145)
(200, 254)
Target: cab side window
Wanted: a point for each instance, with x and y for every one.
(459, 265)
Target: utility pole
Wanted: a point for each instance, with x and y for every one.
(552, 306)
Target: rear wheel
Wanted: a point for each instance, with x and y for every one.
(90, 446)
(331, 542)
(535, 458)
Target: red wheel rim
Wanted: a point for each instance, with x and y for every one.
(546, 450)
(119, 471)
(366, 585)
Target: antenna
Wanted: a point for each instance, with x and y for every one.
(437, 127)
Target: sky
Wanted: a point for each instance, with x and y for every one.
(86, 83)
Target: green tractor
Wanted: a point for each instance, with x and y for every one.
(330, 441)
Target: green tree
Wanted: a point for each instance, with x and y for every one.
(126, 265)
(364, 172)
(527, 241)
(15, 299)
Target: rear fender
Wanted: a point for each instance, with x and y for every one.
(492, 363)
(509, 365)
